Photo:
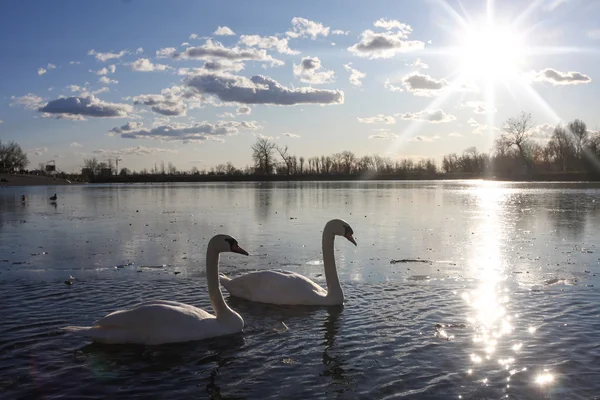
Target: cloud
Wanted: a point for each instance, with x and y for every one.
(40, 150)
(378, 119)
(106, 70)
(88, 106)
(421, 138)
(383, 45)
(107, 81)
(184, 132)
(243, 110)
(552, 5)
(223, 31)
(166, 52)
(594, 33)
(130, 126)
(68, 117)
(309, 71)
(561, 78)
(144, 65)
(50, 66)
(214, 50)
(455, 134)
(169, 102)
(478, 107)
(213, 66)
(542, 131)
(340, 32)
(423, 85)
(392, 88)
(139, 50)
(226, 115)
(419, 64)
(74, 62)
(267, 42)
(29, 101)
(480, 129)
(75, 145)
(301, 27)
(259, 90)
(104, 57)
(433, 116)
(133, 151)
(383, 134)
(391, 24)
(41, 71)
(356, 76)
(290, 135)
(1, 122)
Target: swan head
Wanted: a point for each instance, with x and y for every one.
(226, 243)
(339, 227)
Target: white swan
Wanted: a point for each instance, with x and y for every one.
(160, 321)
(290, 288)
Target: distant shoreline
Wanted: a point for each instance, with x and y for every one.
(9, 180)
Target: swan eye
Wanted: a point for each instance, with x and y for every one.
(348, 230)
(231, 242)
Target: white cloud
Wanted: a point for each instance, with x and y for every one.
(140, 50)
(145, 65)
(421, 138)
(542, 131)
(455, 134)
(226, 115)
(51, 66)
(480, 129)
(104, 57)
(1, 122)
(433, 116)
(472, 122)
(259, 90)
(340, 32)
(290, 135)
(166, 52)
(378, 119)
(184, 132)
(41, 71)
(193, 36)
(68, 117)
(267, 42)
(301, 27)
(262, 136)
(29, 101)
(557, 78)
(89, 106)
(383, 134)
(223, 31)
(107, 81)
(243, 110)
(75, 145)
(356, 76)
(392, 88)
(133, 151)
(74, 62)
(213, 66)
(309, 71)
(112, 68)
(169, 102)
(40, 150)
(423, 85)
(391, 24)
(478, 107)
(383, 45)
(419, 64)
(214, 50)
(594, 33)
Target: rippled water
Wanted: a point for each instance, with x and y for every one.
(465, 290)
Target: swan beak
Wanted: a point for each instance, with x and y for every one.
(238, 249)
(351, 239)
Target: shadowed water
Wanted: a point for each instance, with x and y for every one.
(465, 290)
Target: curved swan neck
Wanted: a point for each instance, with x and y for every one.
(217, 302)
(334, 290)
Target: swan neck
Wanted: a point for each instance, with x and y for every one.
(334, 290)
(217, 302)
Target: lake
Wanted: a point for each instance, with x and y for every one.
(457, 290)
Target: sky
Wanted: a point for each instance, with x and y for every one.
(195, 83)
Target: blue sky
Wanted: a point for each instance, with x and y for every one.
(196, 82)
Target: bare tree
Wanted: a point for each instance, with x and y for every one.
(579, 131)
(262, 154)
(12, 157)
(517, 131)
(301, 164)
(92, 164)
(171, 168)
(561, 147)
(287, 159)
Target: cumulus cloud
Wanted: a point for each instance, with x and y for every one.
(383, 134)
(421, 138)
(267, 42)
(392, 24)
(40, 150)
(226, 115)
(259, 90)
(433, 116)
(302, 27)
(542, 132)
(130, 126)
(356, 76)
(223, 31)
(68, 117)
(104, 57)
(75, 145)
(478, 107)
(392, 88)
(214, 50)
(166, 52)
(74, 62)
(41, 71)
(185, 132)
(243, 110)
(145, 65)
(455, 134)
(423, 85)
(50, 66)
(419, 64)
(310, 71)
(213, 66)
(561, 78)
(106, 70)
(340, 32)
(378, 119)
(29, 101)
(290, 135)
(88, 106)
(107, 81)
(169, 102)
(480, 129)
(133, 151)
(383, 44)
(139, 50)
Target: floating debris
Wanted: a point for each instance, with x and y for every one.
(410, 260)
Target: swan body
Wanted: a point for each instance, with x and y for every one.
(290, 288)
(53, 198)
(161, 321)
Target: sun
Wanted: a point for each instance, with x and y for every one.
(491, 53)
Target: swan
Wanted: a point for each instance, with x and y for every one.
(290, 288)
(159, 321)
(53, 198)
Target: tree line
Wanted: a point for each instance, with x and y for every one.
(12, 157)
